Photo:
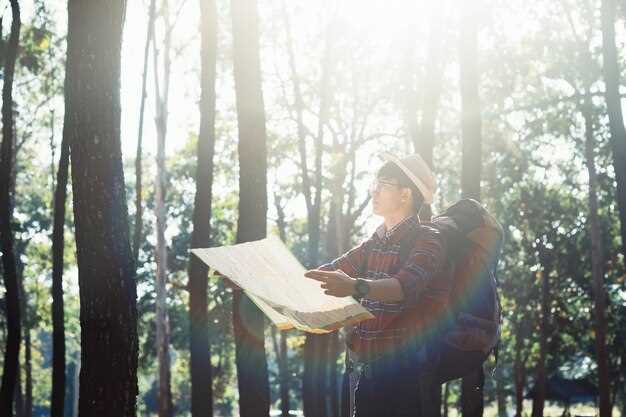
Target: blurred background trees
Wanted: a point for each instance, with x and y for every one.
(223, 121)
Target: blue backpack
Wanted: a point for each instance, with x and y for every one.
(474, 239)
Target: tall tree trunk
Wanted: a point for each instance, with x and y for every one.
(281, 347)
(425, 142)
(248, 321)
(540, 378)
(27, 399)
(445, 399)
(19, 395)
(57, 399)
(75, 387)
(106, 276)
(164, 397)
(7, 244)
(334, 391)
(597, 256)
(519, 370)
(200, 363)
(613, 103)
(471, 129)
(500, 392)
(138, 154)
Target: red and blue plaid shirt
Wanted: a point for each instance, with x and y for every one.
(424, 279)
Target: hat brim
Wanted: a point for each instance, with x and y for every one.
(426, 192)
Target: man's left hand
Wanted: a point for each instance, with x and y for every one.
(335, 283)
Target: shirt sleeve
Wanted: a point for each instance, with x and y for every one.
(350, 262)
(423, 274)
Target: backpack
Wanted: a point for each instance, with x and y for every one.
(474, 239)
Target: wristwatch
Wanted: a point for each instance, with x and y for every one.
(361, 288)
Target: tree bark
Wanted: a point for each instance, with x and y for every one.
(27, 399)
(7, 243)
(597, 260)
(445, 399)
(519, 370)
(540, 379)
(138, 155)
(164, 397)
(500, 392)
(248, 320)
(472, 402)
(613, 103)
(280, 347)
(57, 399)
(108, 309)
(200, 363)
(425, 142)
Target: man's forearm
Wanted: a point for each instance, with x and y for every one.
(386, 290)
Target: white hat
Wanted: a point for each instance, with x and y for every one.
(418, 172)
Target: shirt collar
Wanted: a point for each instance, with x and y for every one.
(399, 230)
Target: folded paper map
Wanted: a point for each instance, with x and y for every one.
(274, 280)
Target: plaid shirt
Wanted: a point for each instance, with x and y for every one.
(424, 280)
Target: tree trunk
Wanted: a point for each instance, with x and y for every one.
(9, 266)
(108, 308)
(445, 399)
(19, 396)
(334, 387)
(27, 399)
(57, 399)
(76, 387)
(519, 371)
(280, 347)
(500, 392)
(471, 129)
(597, 260)
(200, 360)
(164, 398)
(613, 103)
(248, 320)
(425, 142)
(540, 379)
(138, 159)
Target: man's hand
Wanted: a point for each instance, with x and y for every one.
(335, 283)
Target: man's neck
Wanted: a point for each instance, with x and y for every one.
(394, 219)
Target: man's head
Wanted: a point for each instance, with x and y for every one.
(402, 186)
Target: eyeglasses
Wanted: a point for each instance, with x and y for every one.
(377, 186)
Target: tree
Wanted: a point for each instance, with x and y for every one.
(108, 311)
(597, 263)
(200, 364)
(138, 159)
(614, 107)
(9, 262)
(57, 399)
(471, 126)
(164, 399)
(248, 321)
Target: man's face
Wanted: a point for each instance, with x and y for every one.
(388, 197)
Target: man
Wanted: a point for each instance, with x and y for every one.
(407, 294)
